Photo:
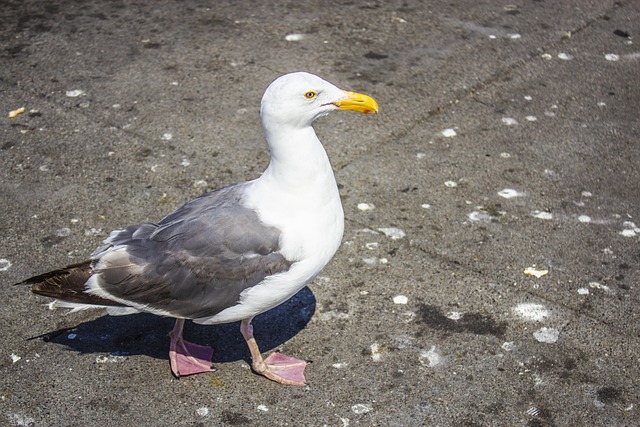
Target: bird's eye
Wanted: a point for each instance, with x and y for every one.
(310, 95)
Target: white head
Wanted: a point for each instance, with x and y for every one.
(295, 100)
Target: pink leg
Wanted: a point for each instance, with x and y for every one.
(277, 366)
(187, 358)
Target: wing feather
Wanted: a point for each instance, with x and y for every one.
(195, 262)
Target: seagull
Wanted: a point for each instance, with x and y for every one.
(232, 253)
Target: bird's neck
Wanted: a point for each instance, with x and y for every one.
(298, 159)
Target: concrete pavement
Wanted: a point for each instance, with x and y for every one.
(490, 265)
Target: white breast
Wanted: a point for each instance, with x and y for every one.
(312, 223)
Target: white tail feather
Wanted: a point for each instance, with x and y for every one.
(75, 307)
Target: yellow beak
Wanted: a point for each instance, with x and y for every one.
(358, 102)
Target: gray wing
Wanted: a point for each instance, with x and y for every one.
(196, 261)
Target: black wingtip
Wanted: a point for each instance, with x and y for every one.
(67, 284)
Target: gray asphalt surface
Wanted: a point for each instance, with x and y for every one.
(508, 139)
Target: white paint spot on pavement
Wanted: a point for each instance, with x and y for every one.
(547, 335)
(294, 37)
(201, 183)
(425, 206)
(596, 285)
(361, 408)
(203, 412)
(400, 299)
(531, 311)
(584, 218)
(393, 232)
(531, 118)
(455, 315)
(110, 358)
(5, 264)
(15, 358)
(630, 229)
(340, 365)
(185, 162)
(75, 93)
(542, 215)
(565, 56)
(612, 57)
(477, 216)
(431, 358)
(376, 354)
(450, 184)
(510, 193)
(583, 291)
(509, 121)
(366, 206)
(533, 411)
(263, 408)
(166, 136)
(372, 245)
(449, 133)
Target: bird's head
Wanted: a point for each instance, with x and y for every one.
(297, 99)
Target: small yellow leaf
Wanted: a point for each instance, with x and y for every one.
(13, 114)
(535, 272)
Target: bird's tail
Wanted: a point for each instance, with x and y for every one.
(68, 284)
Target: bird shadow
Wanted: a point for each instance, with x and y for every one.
(147, 334)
